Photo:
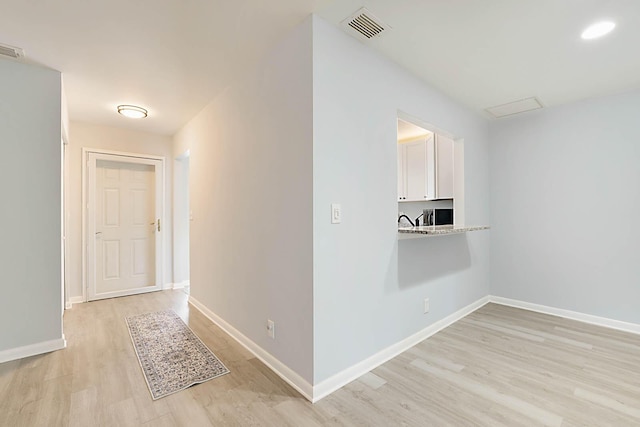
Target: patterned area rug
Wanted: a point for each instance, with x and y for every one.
(172, 357)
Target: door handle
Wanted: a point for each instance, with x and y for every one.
(154, 223)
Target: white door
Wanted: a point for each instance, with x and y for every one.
(124, 225)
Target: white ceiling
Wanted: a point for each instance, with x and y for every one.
(169, 56)
(174, 56)
(490, 52)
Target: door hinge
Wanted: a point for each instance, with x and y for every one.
(158, 224)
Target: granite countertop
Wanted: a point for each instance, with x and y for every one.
(438, 230)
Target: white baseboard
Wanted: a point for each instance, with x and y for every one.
(32, 349)
(340, 379)
(573, 315)
(169, 286)
(283, 371)
(73, 300)
(181, 285)
(335, 382)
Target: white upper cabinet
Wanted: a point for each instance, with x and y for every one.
(425, 169)
(416, 170)
(444, 167)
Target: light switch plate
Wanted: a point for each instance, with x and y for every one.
(336, 213)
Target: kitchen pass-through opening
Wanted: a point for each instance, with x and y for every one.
(430, 172)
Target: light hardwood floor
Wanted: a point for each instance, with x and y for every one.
(497, 366)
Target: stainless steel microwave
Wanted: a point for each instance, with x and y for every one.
(437, 216)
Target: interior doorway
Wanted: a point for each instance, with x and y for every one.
(182, 215)
(125, 198)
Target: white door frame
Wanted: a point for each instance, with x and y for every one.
(88, 227)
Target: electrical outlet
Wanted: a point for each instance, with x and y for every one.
(426, 305)
(271, 329)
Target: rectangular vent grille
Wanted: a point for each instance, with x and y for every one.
(364, 25)
(515, 107)
(10, 51)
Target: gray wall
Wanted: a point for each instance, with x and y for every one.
(251, 196)
(30, 233)
(368, 286)
(565, 197)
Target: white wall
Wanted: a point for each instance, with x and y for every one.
(251, 197)
(565, 197)
(368, 287)
(116, 139)
(30, 234)
(181, 219)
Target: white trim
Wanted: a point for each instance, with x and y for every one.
(120, 153)
(340, 379)
(83, 233)
(633, 328)
(181, 285)
(161, 208)
(283, 371)
(32, 349)
(171, 286)
(73, 300)
(335, 382)
(76, 300)
(126, 293)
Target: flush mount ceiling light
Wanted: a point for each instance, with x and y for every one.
(598, 29)
(132, 111)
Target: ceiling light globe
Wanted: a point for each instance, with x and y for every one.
(132, 111)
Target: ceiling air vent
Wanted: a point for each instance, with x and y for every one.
(10, 51)
(364, 25)
(514, 107)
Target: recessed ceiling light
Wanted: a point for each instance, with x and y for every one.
(132, 111)
(598, 29)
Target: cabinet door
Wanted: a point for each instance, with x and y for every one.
(402, 181)
(431, 168)
(444, 167)
(416, 170)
